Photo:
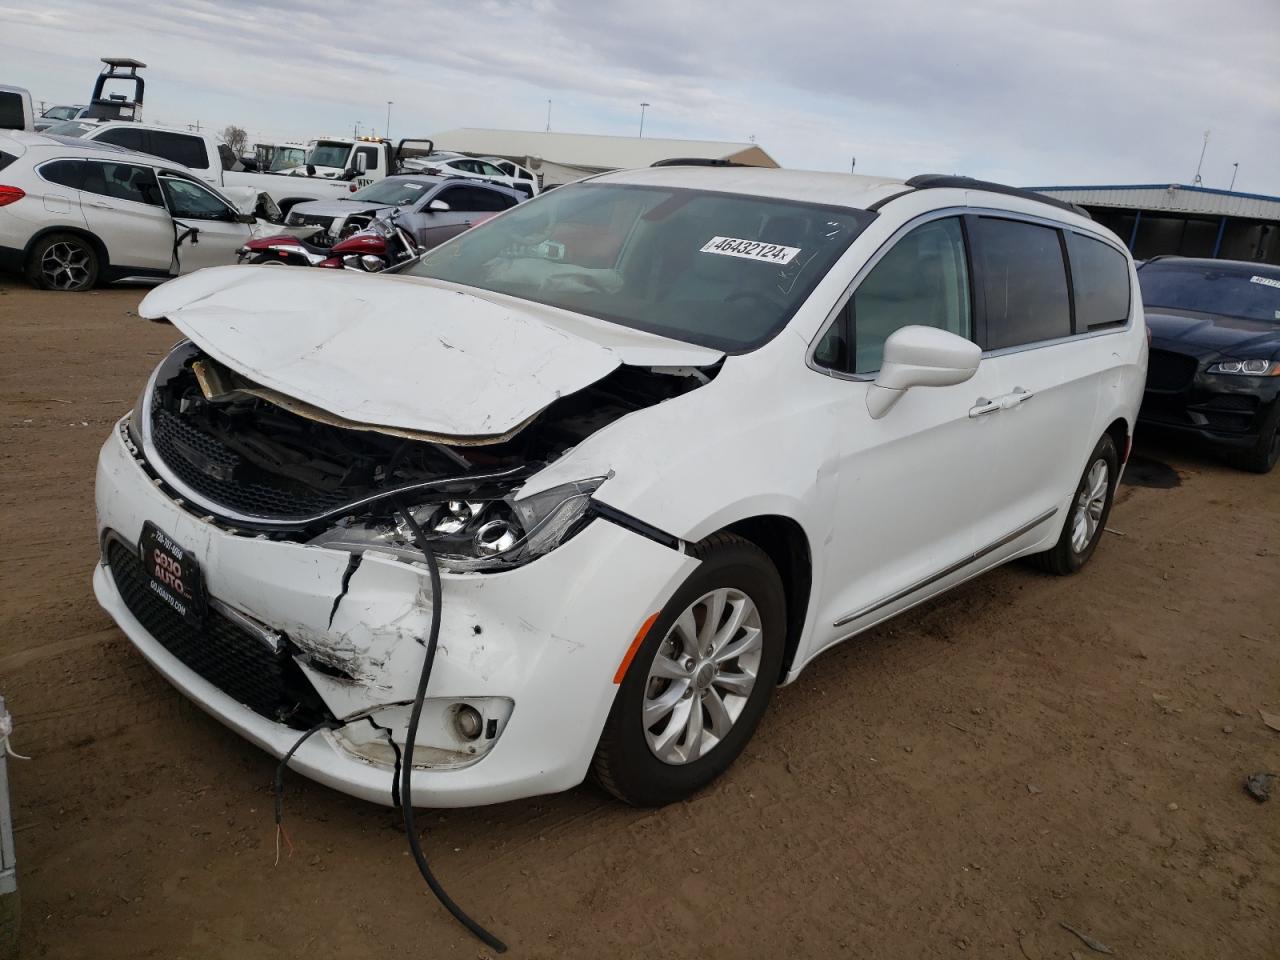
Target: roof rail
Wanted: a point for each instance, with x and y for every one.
(696, 162)
(927, 181)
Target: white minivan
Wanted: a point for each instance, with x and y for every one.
(575, 491)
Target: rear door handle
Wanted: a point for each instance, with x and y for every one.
(983, 406)
(1019, 395)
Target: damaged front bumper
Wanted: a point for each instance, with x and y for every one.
(532, 650)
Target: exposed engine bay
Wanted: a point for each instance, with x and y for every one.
(260, 461)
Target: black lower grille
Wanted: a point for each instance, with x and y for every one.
(1167, 370)
(224, 653)
(217, 472)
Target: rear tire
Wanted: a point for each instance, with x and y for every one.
(63, 261)
(1263, 455)
(1087, 515)
(654, 749)
(270, 258)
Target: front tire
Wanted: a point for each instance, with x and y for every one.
(698, 685)
(1088, 513)
(63, 261)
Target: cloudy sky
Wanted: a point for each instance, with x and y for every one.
(1026, 91)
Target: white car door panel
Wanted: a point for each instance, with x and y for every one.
(1047, 382)
(910, 484)
(122, 206)
(912, 481)
(206, 225)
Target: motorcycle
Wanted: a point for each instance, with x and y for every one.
(383, 243)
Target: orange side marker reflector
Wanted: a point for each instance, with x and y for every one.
(635, 645)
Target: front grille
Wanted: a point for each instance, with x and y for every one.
(216, 472)
(224, 653)
(1167, 370)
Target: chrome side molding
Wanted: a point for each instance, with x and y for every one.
(946, 571)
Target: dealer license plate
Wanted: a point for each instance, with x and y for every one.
(174, 573)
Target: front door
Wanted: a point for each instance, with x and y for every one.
(207, 227)
(909, 487)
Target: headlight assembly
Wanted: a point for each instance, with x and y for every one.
(485, 534)
(1246, 368)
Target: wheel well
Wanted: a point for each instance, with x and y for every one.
(287, 205)
(1119, 433)
(784, 540)
(98, 247)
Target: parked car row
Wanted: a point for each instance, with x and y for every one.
(76, 211)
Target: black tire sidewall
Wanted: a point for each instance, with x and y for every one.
(639, 775)
(35, 272)
(1105, 450)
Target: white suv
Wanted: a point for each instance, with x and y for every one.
(73, 213)
(575, 491)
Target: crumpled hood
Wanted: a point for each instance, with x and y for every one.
(340, 208)
(1203, 334)
(402, 352)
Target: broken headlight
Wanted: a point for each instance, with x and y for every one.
(486, 534)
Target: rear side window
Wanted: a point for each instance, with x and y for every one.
(180, 148)
(12, 116)
(6, 159)
(65, 173)
(475, 199)
(122, 181)
(1100, 281)
(127, 137)
(227, 156)
(1024, 282)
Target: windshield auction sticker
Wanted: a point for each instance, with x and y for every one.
(750, 249)
(1266, 281)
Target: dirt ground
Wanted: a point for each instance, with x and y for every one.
(1023, 753)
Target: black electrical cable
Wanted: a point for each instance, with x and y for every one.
(278, 782)
(406, 763)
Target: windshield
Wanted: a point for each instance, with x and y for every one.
(718, 269)
(330, 155)
(69, 128)
(283, 158)
(61, 113)
(394, 191)
(1230, 290)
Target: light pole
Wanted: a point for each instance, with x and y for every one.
(1197, 181)
(388, 129)
(643, 107)
(1235, 168)
(548, 114)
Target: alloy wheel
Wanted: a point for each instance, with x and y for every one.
(1090, 504)
(702, 676)
(65, 265)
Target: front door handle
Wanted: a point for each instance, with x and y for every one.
(983, 406)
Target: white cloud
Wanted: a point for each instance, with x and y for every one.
(1090, 91)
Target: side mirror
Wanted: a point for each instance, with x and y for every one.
(920, 357)
(311, 169)
(245, 218)
(438, 206)
(362, 164)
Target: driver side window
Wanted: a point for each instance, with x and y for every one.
(922, 281)
(191, 201)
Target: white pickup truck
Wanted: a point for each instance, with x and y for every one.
(210, 159)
